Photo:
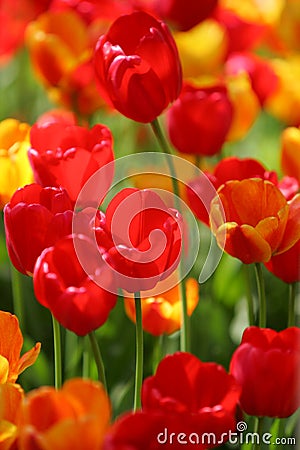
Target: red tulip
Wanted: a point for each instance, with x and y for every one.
(140, 239)
(263, 78)
(74, 297)
(233, 168)
(266, 365)
(35, 218)
(199, 120)
(182, 16)
(201, 397)
(242, 34)
(286, 266)
(67, 156)
(139, 72)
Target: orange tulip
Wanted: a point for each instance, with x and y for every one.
(63, 59)
(11, 342)
(11, 396)
(252, 220)
(162, 314)
(290, 152)
(15, 170)
(246, 107)
(75, 417)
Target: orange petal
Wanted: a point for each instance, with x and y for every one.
(244, 242)
(11, 396)
(11, 340)
(28, 358)
(4, 369)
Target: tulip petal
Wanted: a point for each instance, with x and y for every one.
(29, 358)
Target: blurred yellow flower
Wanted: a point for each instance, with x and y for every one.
(284, 103)
(15, 169)
(208, 55)
(290, 152)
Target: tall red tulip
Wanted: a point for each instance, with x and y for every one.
(75, 298)
(201, 396)
(140, 239)
(64, 155)
(138, 67)
(266, 365)
(35, 218)
(199, 120)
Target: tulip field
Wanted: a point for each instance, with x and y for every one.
(150, 224)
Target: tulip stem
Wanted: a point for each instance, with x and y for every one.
(184, 331)
(18, 305)
(292, 300)
(57, 353)
(249, 296)
(139, 351)
(98, 358)
(262, 321)
(258, 428)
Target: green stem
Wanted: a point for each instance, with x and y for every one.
(249, 295)
(261, 296)
(57, 353)
(292, 300)
(258, 428)
(18, 304)
(98, 358)
(184, 332)
(86, 358)
(139, 352)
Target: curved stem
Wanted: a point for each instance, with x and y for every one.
(98, 358)
(184, 334)
(292, 299)
(139, 352)
(57, 353)
(261, 296)
(249, 296)
(18, 304)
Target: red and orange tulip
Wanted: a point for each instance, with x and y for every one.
(74, 417)
(162, 314)
(252, 220)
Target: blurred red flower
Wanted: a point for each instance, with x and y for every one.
(35, 218)
(67, 156)
(140, 239)
(252, 220)
(75, 298)
(139, 73)
(286, 266)
(199, 119)
(266, 365)
(263, 78)
(233, 168)
(16, 15)
(180, 15)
